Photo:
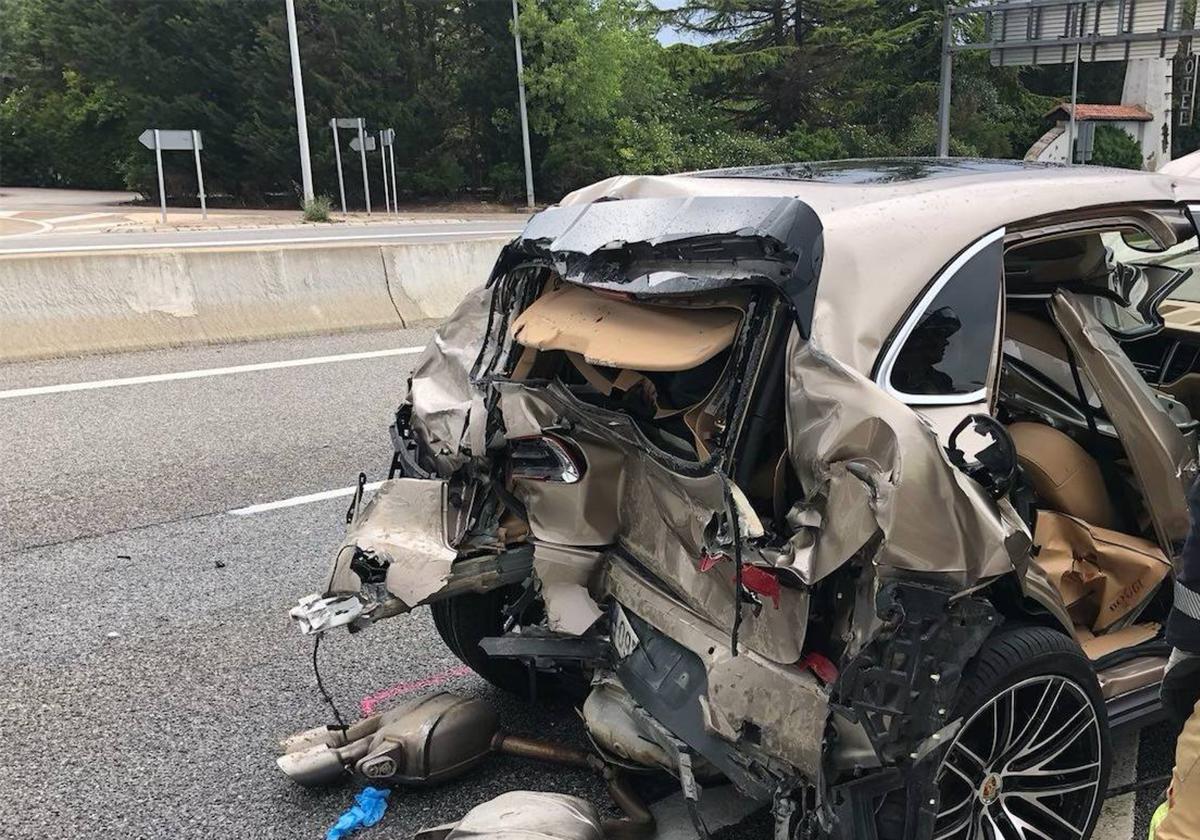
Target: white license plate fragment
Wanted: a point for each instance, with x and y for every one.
(624, 640)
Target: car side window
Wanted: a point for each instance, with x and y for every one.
(943, 353)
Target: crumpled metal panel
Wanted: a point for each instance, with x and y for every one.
(787, 704)
(1162, 457)
(564, 573)
(404, 525)
(448, 414)
(587, 228)
(662, 518)
(876, 480)
(670, 245)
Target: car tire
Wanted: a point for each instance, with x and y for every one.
(1034, 747)
(464, 620)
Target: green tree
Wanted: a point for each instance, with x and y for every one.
(771, 80)
(1113, 147)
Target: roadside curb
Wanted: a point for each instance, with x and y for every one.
(70, 304)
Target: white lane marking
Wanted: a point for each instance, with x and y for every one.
(303, 500)
(42, 228)
(78, 217)
(247, 243)
(88, 226)
(203, 372)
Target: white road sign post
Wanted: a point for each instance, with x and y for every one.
(174, 140)
(199, 174)
(337, 156)
(387, 208)
(362, 153)
(392, 160)
(162, 190)
(387, 142)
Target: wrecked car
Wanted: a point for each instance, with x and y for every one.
(857, 485)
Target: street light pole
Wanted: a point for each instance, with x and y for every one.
(944, 87)
(301, 114)
(521, 101)
(1074, 104)
(362, 154)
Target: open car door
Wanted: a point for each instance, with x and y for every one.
(1162, 457)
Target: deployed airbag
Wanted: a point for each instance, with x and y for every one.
(617, 333)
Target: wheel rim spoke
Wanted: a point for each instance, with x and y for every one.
(1056, 744)
(1054, 782)
(1050, 696)
(963, 822)
(1004, 720)
(993, 829)
(966, 765)
(1056, 823)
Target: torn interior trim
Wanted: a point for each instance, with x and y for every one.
(1163, 458)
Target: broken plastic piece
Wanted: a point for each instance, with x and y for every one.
(368, 808)
(315, 614)
(820, 665)
(762, 582)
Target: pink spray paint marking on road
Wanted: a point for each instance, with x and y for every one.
(369, 703)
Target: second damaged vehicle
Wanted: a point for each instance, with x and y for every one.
(856, 485)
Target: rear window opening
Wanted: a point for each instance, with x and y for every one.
(665, 365)
(700, 375)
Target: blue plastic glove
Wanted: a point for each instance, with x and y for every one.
(367, 810)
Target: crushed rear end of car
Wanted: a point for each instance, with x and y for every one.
(628, 446)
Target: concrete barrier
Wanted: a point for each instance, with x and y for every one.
(56, 305)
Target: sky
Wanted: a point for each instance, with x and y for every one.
(668, 35)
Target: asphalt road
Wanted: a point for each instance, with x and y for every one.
(147, 664)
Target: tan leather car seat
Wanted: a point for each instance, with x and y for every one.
(1063, 475)
(1034, 332)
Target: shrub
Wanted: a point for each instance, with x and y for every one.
(1113, 147)
(317, 208)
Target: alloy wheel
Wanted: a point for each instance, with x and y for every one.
(1025, 766)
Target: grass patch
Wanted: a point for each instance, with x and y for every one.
(318, 208)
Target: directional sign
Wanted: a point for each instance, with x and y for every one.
(348, 122)
(171, 140)
(160, 139)
(356, 146)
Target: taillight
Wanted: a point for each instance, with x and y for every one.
(544, 458)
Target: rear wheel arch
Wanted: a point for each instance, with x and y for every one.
(1032, 606)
